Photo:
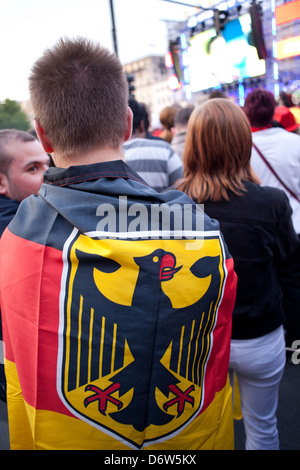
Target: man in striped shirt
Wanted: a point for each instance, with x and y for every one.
(153, 159)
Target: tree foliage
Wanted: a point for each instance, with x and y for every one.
(12, 116)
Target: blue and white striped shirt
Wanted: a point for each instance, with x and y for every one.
(155, 161)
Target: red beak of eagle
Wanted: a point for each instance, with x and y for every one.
(167, 267)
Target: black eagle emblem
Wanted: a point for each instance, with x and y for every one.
(98, 330)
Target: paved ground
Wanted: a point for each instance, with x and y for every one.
(288, 414)
(4, 437)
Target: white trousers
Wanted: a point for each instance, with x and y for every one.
(259, 364)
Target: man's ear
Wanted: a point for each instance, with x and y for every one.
(43, 137)
(4, 185)
(129, 124)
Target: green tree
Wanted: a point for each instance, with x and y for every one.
(12, 116)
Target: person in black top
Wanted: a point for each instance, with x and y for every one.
(22, 166)
(257, 227)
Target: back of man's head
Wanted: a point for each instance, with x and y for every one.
(79, 94)
(139, 115)
(182, 117)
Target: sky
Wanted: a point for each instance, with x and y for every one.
(28, 27)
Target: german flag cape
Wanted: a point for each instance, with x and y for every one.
(116, 330)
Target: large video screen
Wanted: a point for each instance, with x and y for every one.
(224, 58)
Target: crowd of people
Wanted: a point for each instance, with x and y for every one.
(121, 328)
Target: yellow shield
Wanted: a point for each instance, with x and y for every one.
(137, 319)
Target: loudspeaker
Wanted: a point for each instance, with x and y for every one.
(257, 31)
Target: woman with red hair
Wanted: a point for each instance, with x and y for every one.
(257, 227)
